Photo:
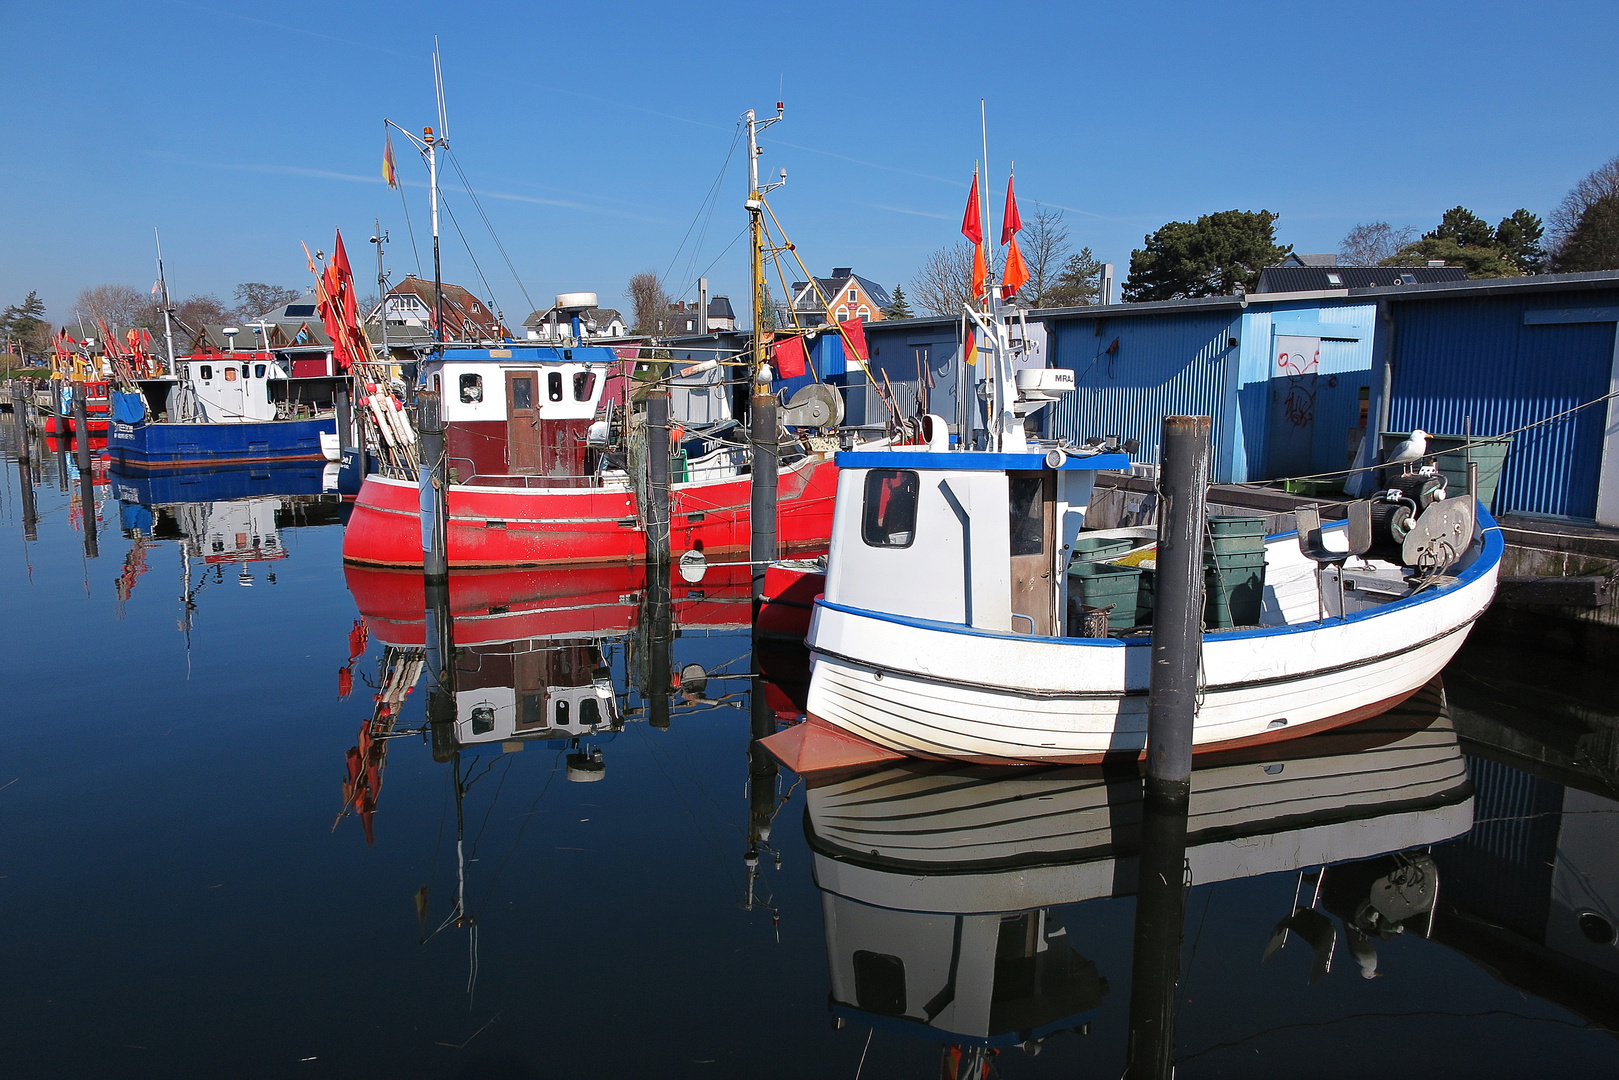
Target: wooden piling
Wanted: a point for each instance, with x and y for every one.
(1177, 645)
(433, 482)
(657, 472)
(766, 450)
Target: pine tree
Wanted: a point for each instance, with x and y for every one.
(897, 307)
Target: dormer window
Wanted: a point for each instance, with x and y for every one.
(1335, 279)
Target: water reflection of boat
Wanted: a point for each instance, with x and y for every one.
(511, 605)
(939, 882)
(213, 485)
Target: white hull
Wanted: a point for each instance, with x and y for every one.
(934, 689)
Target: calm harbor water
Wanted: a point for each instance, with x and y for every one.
(230, 845)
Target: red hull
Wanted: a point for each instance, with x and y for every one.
(64, 425)
(514, 527)
(489, 607)
(789, 599)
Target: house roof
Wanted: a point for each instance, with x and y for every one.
(463, 311)
(804, 298)
(1299, 259)
(1294, 278)
(599, 315)
(719, 307)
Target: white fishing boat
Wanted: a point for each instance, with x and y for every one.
(951, 623)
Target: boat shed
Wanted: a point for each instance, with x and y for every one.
(1295, 380)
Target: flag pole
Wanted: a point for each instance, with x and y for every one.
(168, 329)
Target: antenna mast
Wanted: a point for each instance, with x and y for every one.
(163, 286)
(756, 227)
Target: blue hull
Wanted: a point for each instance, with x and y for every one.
(178, 447)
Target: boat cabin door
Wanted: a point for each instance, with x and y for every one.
(522, 422)
(1033, 503)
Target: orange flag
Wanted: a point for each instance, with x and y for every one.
(1015, 273)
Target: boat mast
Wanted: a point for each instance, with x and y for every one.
(438, 283)
(379, 238)
(756, 228)
(163, 287)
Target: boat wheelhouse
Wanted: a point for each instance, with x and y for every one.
(535, 479)
(222, 409)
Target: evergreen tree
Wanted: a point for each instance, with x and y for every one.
(1211, 256)
(1079, 283)
(1463, 226)
(1594, 242)
(25, 324)
(1518, 237)
(1479, 262)
(898, 307)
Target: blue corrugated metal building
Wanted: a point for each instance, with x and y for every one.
(1294, 380)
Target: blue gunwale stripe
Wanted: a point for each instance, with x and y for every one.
(1488, 558)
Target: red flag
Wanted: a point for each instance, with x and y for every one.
(1011, 222)
(790, 358)
(971, 226)
(854, 334)
(1014, 274)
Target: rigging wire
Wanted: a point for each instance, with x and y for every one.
(478, 205)
(709, 201)
(487, 288)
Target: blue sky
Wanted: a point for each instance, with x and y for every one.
(594, 132)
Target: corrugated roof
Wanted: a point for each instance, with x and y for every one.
(1303, 278)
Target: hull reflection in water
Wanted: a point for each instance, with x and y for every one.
(939, 882)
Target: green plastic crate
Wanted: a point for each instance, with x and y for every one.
(1100, 585)
(1233, 596)
(1089, 549)
(1232, 533)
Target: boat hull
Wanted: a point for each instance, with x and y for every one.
(943, 690)
(492, 527)
(150, 446)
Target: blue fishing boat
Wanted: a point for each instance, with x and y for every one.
(222, 410)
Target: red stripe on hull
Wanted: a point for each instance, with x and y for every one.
(493, 527)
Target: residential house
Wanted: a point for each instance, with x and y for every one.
(555, 324)
(410, 304)
(843, 295)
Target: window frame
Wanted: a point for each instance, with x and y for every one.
(872, 489)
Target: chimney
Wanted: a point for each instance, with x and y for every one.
(839, 273)
(702, 305)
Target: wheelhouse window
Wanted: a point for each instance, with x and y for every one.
(230, 374)
(471, 385)
(889, 519)
(562, 712)
(205, 370)
(590, 711)
(258, 371)
(553, 385)
(1027, 503)
(584, 385)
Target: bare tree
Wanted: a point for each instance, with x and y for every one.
(1369, 243)
(1044, 244)
(118, 305)
(254, 299)
(1602, 183)
(645, 294)
(945, 280)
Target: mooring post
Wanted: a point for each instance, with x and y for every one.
(766, 449)
(657, 476)
(439, 639)
(1177, 646)
(658, 617)
(433, 487)
(81, 427)
(344, 414)
(25, 464)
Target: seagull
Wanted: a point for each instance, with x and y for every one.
(1412, 449)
